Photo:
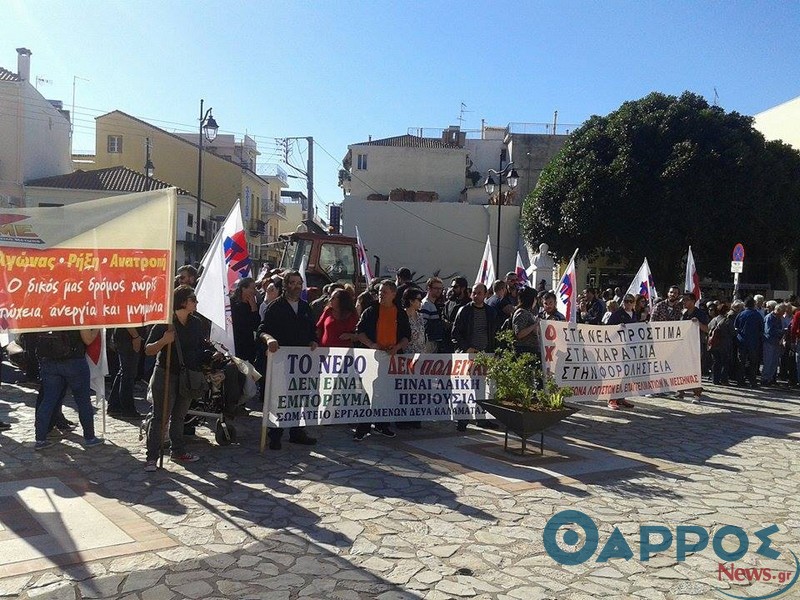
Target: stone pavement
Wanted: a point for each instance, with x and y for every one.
(430, 514)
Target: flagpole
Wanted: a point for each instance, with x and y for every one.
(574, 254)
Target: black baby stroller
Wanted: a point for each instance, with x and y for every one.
(209, 409)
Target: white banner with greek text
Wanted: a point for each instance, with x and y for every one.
(349, 385)
(604, 362)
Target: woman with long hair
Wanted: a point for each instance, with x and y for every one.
(245, 318)
(337, 324)
(412, 302)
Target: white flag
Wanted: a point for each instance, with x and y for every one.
(643, 285)
(567, 292)
(303, 267)
(363, 261)
(486, 268)
(97, 360)
(226, 261)
(692, 279)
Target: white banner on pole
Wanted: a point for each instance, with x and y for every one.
(351, 385)
(627, 360)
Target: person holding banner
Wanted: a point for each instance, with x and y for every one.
(288, 322)
(625, 314)
(337, 324)
(474, 330)
(692, 312)
(187, 330)
(384, 327)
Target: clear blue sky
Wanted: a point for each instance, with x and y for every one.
(343, 70)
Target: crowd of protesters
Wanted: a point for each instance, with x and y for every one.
(746, 343)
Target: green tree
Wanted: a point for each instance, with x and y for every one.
(661, 173)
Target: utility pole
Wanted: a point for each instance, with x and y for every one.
(310, 178)
(308, 173)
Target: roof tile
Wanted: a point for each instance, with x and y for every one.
(112, 179)
(409, 141)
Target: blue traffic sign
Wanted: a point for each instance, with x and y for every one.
(738, 253)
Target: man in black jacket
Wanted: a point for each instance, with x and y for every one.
(474, 330)
(288, 322)
(475, 324)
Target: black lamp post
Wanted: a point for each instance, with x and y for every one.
(512, 179)
(208, 129)
(149, 167)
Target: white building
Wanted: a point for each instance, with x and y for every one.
(34, 133)
(419, 202)
(781, 122)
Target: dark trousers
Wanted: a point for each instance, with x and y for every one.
(177, 408)
(121, 397)
(748, 360)
(719, 367)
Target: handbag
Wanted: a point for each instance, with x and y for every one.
(192, 384)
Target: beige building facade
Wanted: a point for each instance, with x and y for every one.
(122, 140)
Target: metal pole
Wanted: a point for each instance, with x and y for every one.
(499, 207)
(197, 256)
(310, 178)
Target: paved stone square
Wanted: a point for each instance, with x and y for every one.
(429, 514)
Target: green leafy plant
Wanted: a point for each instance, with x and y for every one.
(517, 380)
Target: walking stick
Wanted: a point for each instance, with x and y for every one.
(165, 408)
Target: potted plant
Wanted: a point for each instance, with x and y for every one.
(525, 400)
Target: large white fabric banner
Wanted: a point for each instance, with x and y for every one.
(604, 362)
(348, 385)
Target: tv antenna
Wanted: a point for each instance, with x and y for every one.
(461, 114)
(40, 79)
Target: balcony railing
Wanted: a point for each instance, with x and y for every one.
(276, 209)
(272, 170)
(256, 227)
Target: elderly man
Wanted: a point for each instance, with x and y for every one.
(773, 337)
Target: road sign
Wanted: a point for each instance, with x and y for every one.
(738, 255)
(737, 266)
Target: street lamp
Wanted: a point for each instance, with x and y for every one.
(149, 167)
(208, 129)
(512, 179)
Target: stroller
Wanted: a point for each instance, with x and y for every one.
(210, 408)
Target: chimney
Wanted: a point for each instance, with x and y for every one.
(24, 64)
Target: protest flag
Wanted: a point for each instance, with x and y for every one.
(567, 292)
(692, 279)
(363, 262)
(226, 261)
(486, 269)
(522, 275)
(643, 285)
(303, 267)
